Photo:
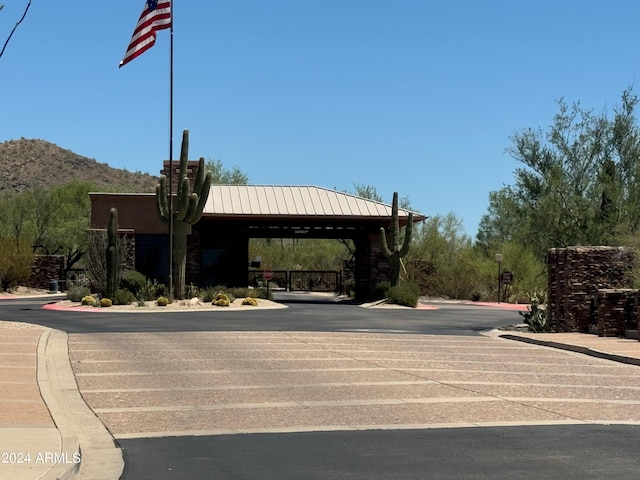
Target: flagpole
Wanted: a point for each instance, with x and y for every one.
(171, 150)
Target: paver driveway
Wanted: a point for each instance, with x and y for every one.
(208, 383)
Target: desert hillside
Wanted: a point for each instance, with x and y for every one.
(29, 163)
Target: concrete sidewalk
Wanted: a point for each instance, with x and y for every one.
(46, 429)
(623, 350)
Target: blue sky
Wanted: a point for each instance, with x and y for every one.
(414, 96)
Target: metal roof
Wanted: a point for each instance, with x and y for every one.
(298, 201)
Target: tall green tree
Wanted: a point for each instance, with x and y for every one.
(222, 175)
(577, 184)
(54, 221)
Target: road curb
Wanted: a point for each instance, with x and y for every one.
(572, 348)
(81, 431)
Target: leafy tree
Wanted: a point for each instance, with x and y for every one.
(371, 193)
(54, 221)
(299, 254)
(441, 259)
(225, 176)
(15, 262)
(577, 184)
(367, 191)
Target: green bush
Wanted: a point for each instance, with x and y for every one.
(123, 297)
(382, 289)
(404, 294)
(162, 301)
(263, 293)
(211, 293)
(191, 291)
(76, 294)
(133, 281)
(152, 290)
(15, 262)
(105, 302)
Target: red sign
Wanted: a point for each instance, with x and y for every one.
(267, 274)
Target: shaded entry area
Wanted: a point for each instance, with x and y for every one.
(218, 246)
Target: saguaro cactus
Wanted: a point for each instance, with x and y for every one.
(113, 254)
(188, 210)
(396, 252)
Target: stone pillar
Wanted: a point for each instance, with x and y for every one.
(575, 274)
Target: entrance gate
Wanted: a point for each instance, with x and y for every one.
(300, 280)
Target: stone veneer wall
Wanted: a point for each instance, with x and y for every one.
(46, 268)
(616, 311)
(575, 274)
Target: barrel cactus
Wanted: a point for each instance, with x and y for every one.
(186, 212)
(392, 249)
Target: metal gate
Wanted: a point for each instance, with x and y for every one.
(315, 281)
(299, 280)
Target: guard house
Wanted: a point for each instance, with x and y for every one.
(218, 245)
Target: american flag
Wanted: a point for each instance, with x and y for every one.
(155, 16)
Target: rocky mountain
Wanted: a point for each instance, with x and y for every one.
(29, 163)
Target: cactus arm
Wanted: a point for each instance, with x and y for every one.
(407, 237)
(183, 199)
(184, 154)
(161, 199)
(203, 194)
(383, 243)
(191, 208)
(197, 187)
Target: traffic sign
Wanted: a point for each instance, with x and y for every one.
(267, 274)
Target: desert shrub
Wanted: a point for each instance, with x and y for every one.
(250, 301)
(162, 301)
(123, 297)
(133, 281)
(105, 302)
(16, 258)
(263, 293)
(381, 290)
(404, 294)
(152, 290)
(76, 294)
(162, 290)
(238, 292)
(191, 291)
(210, 294)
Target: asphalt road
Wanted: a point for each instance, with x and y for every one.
(587, 451)
(489, 453)
(448, 319)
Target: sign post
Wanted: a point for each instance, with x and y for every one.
(267, 275)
